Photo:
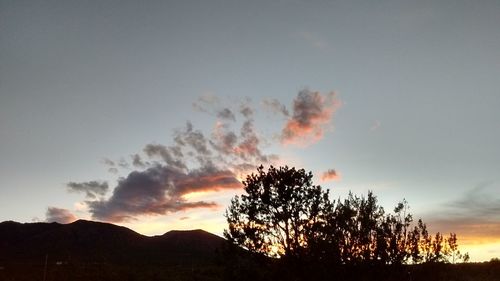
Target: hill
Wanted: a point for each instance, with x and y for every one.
(96, 242)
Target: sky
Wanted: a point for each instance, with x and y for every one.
(149, 114)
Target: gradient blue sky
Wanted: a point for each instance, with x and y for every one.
(417, 88)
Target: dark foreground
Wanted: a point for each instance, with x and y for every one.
(105, 272)
(91, 251)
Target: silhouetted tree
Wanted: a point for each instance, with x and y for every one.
(277, 213)
(282, 214)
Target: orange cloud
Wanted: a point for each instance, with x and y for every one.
(330, 175)
(312, 112)
(214, 181)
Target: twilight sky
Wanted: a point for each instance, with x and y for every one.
(149, 113)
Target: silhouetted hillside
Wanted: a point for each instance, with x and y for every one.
(95, 242)
(86, 250)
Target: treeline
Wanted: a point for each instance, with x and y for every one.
(357, 230)
(282, 214)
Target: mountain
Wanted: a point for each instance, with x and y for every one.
(96, 242)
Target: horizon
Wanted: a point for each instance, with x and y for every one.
(150, 115)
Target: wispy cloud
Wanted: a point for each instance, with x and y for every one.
(92, 189)
(475, 216)
(205, 102)
(275, 106)
(312, 112)
(59, 215)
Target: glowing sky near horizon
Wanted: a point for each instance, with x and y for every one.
(149, 114)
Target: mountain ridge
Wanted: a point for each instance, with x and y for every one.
(91, 241)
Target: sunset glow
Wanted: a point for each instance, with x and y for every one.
(152, 115)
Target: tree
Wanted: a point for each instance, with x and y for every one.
(278, 214)
(282, 214)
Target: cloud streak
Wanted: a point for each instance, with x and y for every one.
(475, 216)
(92, 189)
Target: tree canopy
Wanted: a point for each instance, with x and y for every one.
(283, 214)
(278, 211)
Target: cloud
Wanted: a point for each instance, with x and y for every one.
(239, 149)
(193, 139)
(54, 214)
(474, 216)
(108, 162)
(168, 154)
(330, 175)
(275, 106)
(164, 175)
(227, 114)
(311, 113)
(246, 110)
(111, 165)
(138, 162)
(159, 190)
(92, 189)
(205, 101)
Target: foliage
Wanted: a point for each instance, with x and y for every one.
(280, 208)
(282, 214)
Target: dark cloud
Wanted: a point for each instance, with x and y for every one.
(108, 162)
(111, 165)
(311, 113)
(226, 114)
(480, 201)
(166, 153)
(137, 161)
(165, 175)
(249, 146)
(330, 175)
(246, 109)
(92, 189)
(192, 139)
(160, 187)
(276, 107)
(54, 214)
(159, 190)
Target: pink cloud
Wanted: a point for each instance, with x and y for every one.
(312, 113)
(59, 215)
(330, 175)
